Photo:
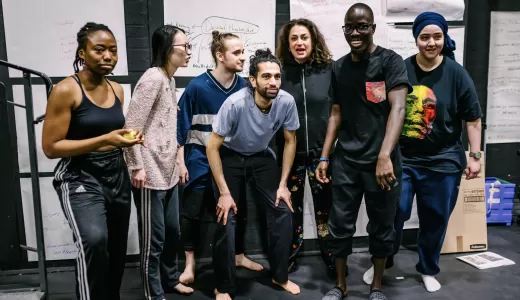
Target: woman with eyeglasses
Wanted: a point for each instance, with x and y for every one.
(153, 109)
(307, 69)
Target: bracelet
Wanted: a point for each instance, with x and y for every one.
(324, 159)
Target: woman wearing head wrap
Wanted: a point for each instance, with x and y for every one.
(434, 159)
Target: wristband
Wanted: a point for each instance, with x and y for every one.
(324, 159)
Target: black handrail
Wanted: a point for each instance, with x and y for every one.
(46, 80)
(33, 159)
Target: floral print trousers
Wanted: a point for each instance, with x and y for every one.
(321, 194)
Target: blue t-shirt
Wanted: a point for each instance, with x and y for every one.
(247, 130)
(198, 106)
(441, 100)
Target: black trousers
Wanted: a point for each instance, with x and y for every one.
(197, 202)
(159, 238)
(94, 192)
(349, 184)
(321, 194)
(263, 172)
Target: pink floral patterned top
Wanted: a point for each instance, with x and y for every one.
(153, 110)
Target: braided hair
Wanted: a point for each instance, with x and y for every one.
(261, 55)
(82, 39)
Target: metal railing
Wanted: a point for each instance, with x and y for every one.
(33, 158)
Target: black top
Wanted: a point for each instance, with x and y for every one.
(89, 120)
(441, 100)
(361, 89)
(313, 104)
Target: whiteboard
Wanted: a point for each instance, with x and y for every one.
(257, 30)
(400, 39)
(178, 93)
(57, 234)
(408, 10)
(329, 16)
(39, 105)
(41, 35)
(503, 108)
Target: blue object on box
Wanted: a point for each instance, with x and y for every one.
(499, 200)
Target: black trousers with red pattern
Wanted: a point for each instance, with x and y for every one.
(321, 196)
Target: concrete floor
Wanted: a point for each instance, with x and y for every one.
(459, 280)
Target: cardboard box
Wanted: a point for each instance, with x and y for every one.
(467, 229)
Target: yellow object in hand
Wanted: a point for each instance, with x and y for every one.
(130, 136)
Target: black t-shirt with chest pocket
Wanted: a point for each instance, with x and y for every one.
(361, 90)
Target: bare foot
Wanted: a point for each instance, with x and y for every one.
(289, 286)
(188, 276)
(185, 290)
(243, 261)
(219, 296)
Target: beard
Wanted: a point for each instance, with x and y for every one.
(264, 92)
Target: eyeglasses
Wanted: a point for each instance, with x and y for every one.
(361, 28)
(187, 46)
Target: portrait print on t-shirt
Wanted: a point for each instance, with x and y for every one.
(376, 91)
(420, 114)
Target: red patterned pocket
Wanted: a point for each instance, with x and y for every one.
(376, 91)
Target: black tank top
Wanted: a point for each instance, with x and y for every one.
(89, 120)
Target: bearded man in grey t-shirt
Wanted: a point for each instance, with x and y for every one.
(238, 152)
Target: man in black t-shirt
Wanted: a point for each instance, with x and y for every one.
(369, 87)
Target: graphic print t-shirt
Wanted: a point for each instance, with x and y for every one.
(361, 90)
(441, 100)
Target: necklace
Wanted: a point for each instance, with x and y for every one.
(265, 110)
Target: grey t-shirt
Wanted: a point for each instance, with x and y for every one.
(246, 129)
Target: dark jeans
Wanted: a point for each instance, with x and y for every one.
(159, 239)
(94, 192)
(436, 195)
(263, 173)
(349, 184)
(321, 195)
(194, 204)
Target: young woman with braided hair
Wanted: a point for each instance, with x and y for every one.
(84, 128)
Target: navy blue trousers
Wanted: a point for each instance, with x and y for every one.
(436, 194)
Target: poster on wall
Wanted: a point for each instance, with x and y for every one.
(503, 105)
(201, 18)
(42, 35)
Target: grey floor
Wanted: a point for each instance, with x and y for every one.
(459, 280)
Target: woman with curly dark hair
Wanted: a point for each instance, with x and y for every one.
(306, 75)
